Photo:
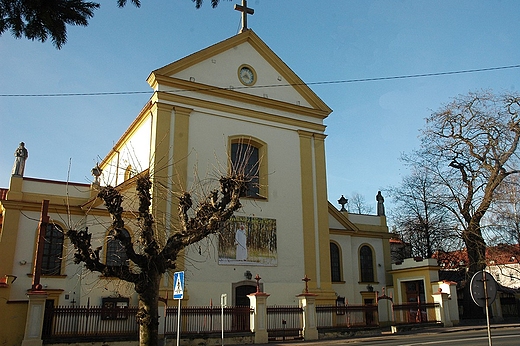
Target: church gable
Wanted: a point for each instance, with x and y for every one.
(338, 222)
(242, 63)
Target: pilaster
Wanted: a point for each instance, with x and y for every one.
(15, 188)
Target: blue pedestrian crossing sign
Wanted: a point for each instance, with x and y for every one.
(178, 285)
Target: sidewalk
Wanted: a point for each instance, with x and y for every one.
(385, 332)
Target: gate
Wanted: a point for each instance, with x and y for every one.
(284, 322)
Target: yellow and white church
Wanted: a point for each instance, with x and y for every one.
(207, 110)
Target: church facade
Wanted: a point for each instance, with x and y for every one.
(210, 113)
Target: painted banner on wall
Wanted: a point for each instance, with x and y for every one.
(248, 240)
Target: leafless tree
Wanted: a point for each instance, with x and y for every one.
(419, 219)
(151, 257)
(504, 222)
(470, 147)
(358, 204)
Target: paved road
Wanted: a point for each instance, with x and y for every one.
(475, 335)
(502, 337)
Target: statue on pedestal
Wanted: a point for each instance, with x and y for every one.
(21, 154)
(380, 204)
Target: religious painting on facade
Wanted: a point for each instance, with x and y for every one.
(248, 240)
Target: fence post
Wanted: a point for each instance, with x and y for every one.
(258, 322)
(34, 321)
(442, 311)
(307, 301)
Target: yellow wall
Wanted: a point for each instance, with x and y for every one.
(13, 313)
(411, 271)
(315, 216)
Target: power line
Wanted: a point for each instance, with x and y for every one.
(345, 81)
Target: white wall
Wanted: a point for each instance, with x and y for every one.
(349, 247)
(284, 202)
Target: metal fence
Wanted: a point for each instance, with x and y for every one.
(416, 313)
(346, 316)
(208, 319)
(284, 322)
(91, 322)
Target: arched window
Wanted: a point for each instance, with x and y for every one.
(335, 260)
(52, 250)
(366, 262)
(247, 156)
(244, 158)
(116, 255)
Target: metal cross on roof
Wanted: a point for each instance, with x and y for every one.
(245, 11)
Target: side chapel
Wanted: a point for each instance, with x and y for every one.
(235, 102)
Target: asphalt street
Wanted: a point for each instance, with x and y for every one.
(472, 333)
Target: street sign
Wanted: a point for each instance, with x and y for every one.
(481, 294)
(178, 285)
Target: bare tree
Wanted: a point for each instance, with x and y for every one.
(470, 147)
(149, 259)
(419, 219)
(358, 204)
(504, 222)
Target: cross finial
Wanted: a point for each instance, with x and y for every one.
(257, 278)
(306, 279)
(245, 11)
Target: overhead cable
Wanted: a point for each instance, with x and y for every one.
(345, 81)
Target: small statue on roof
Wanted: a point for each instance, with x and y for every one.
(21, 154)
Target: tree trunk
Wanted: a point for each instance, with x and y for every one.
(476, 248)
(148, 315)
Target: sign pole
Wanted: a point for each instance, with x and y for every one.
(483, 289)
(487, 307)
(178, 293)
(223, 302)
(179, 323)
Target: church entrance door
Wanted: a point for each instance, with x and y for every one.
(241, 292)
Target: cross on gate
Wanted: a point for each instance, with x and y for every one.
(306, 279)
(245, 11)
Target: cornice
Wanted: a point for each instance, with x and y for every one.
(141, 117)
(362, 234)
(349, 226)
(231, 94)
(34, 206)
(225, 108)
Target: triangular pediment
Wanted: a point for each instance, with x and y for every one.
(216, 68)
(339, 222)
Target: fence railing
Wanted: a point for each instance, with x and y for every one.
(208, 319)
(91, 322)
(346, 316)
(416, 312)
(284, 322)
(95, 323)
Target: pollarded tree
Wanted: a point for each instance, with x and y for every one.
(149, 259)
(419, 218)
(470, 146)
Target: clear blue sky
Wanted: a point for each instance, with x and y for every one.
(372, 122)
